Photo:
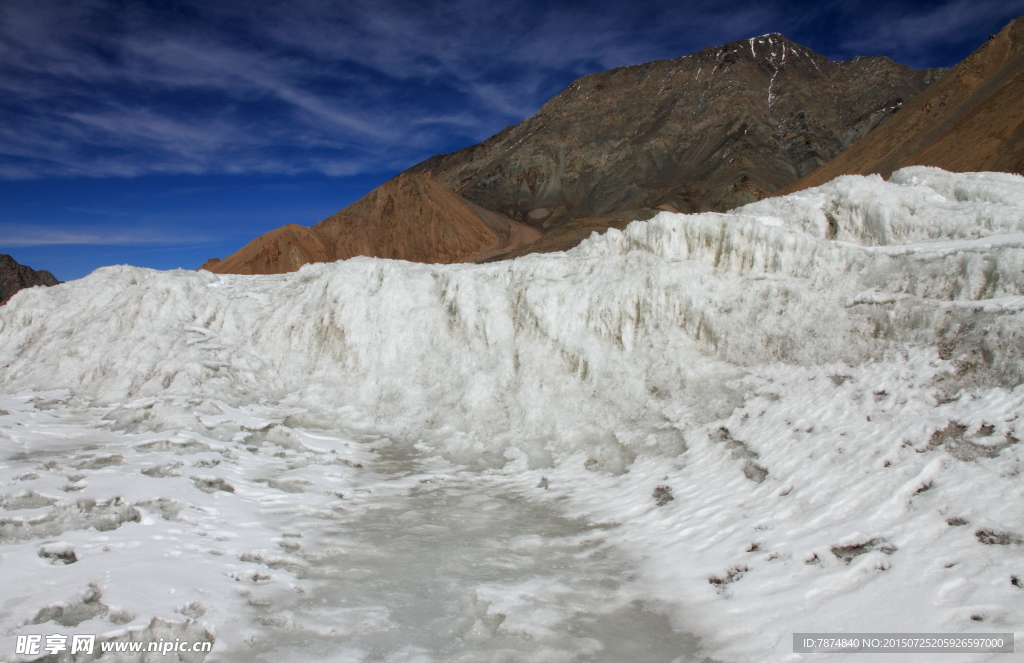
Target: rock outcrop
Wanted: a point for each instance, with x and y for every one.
(411, 217)
(14, 277)
(970, 120)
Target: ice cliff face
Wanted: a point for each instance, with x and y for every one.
(599, 348)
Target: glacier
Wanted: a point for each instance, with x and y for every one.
(703, 433)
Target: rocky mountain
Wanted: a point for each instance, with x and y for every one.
(970, 120)
(14, 277)
(709, 131)
(411, 217)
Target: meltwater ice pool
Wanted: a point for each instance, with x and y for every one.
(288, 544)
(455, 566)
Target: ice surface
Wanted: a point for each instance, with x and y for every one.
(800, 416)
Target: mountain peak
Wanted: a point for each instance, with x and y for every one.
(709, 131)
(410, 217)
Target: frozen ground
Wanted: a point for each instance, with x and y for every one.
(690, 439)
(294, 545)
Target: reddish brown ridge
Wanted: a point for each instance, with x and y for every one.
(411, 217)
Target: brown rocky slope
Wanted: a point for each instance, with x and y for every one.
(970, 120)
(411, 217)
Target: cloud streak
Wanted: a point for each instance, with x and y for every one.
(33, 237)
(102, 88)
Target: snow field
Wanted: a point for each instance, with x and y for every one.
(171, 526)
(862, 506)
(798, 416)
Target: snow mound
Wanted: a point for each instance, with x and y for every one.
(567, 347)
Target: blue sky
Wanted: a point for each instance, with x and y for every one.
(160, 134)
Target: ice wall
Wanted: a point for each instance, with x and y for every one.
(601, 346)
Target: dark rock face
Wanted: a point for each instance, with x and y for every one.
(707, 132)
(14, 277)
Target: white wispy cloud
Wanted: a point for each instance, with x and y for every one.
(98, 87)
(26, 237)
